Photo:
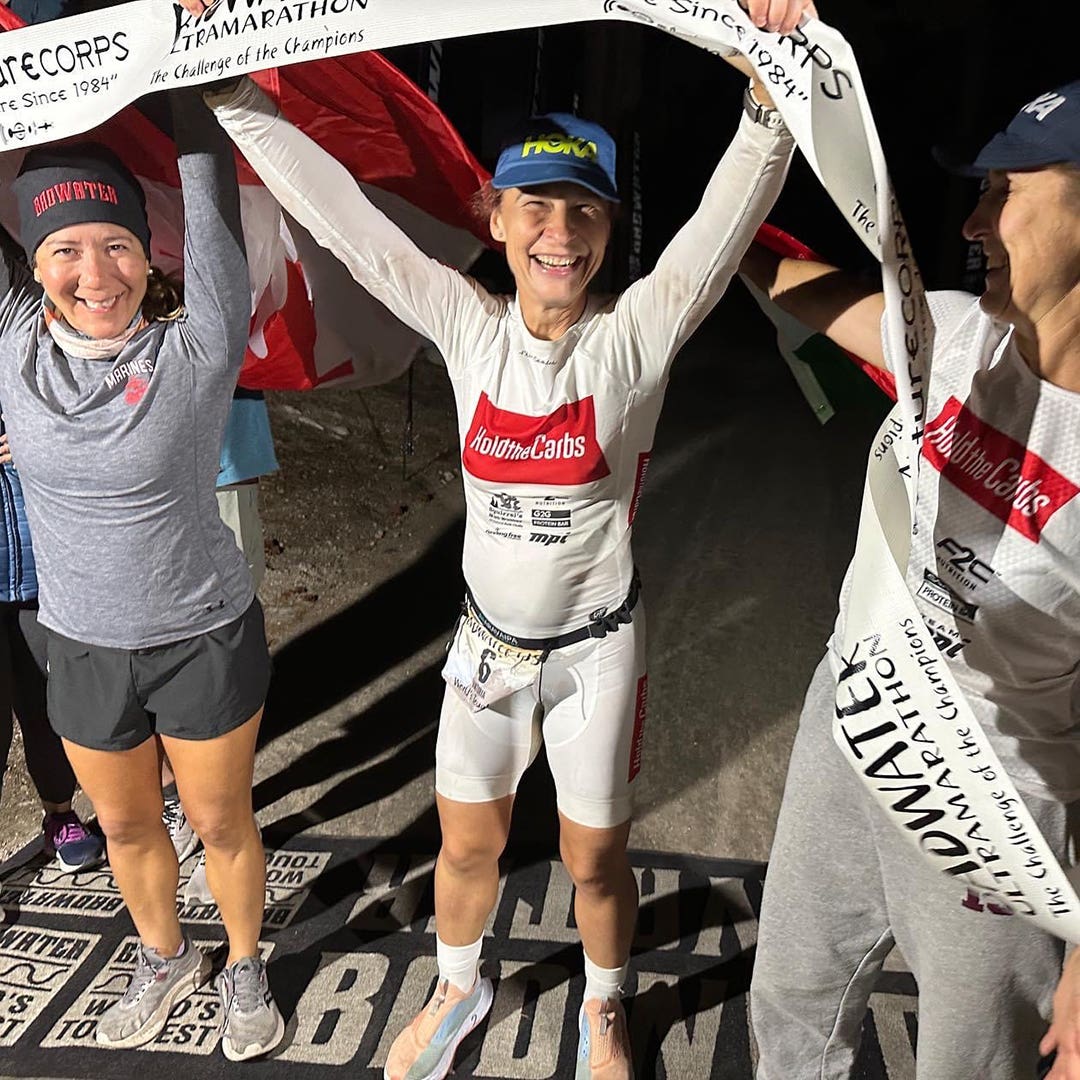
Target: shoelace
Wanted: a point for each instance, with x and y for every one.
(173, 815)
(607, 1021)
(146, 972)
(243, 989)
(69, 832)
(439, 999)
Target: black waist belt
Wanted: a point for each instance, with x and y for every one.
(598, 628)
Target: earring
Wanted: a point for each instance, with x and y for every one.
(149, 271)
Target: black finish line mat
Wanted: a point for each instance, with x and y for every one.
(349, 936)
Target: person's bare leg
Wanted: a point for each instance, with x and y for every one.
(213, 777)
(125, 788)
(606, 894)
(467, 870)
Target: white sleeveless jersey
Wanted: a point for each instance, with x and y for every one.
(995, 566)
(555, 436)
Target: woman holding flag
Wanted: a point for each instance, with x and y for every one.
(993, 572)
(558, 394)
(116, 393)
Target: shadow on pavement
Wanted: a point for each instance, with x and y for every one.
(327, 663)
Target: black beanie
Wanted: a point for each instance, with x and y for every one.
(59, 186)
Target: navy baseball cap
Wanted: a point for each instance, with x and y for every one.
(1045, 131)
(559, 147)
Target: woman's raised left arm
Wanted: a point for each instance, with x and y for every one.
(217, 293)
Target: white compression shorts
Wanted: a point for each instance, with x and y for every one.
(587, 707)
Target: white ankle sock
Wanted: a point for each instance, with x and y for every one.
(460, 964)
(604, 982)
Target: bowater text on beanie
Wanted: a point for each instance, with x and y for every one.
(59, 186)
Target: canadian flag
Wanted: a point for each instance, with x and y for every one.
(311, 324)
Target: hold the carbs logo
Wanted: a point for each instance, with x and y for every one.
(999, 473)
(558, 449)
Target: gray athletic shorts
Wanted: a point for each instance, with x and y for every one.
(197, 688)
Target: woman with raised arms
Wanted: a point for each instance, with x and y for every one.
(115, 397)
(558, 393)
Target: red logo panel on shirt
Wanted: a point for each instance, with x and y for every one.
(1000, 474)
(512, 448)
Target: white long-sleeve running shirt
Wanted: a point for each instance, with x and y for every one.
(995, 566)
(555, 435)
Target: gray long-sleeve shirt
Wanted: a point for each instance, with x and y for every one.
(119, 458)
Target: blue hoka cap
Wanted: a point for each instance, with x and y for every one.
(1046, 131)
(560, 147)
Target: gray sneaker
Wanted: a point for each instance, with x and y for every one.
(250, 1022)
(157, 985)
(182, 835)
(197, 890)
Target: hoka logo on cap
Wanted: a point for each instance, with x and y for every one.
(1046, 131)
(559, 148)
(1044, 104)
(560, 144)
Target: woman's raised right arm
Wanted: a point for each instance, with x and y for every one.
(322, 195)
(841, 306)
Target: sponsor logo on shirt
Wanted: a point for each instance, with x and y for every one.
(940, 595)
(559, 448)
(550, 519)
(961, 563)
(999, 473)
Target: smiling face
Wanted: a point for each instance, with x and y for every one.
(95, 275)
(1028, 223)
(556, 236)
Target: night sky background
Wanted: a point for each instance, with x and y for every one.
(937, 72)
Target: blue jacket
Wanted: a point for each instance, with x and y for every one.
(18, 578)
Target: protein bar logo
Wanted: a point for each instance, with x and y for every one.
(1000, 474)
(560, 448)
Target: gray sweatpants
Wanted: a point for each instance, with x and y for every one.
(842, 887)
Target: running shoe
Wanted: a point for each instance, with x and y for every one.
(250, 1022)
(603, 1044)
(158, 983)
(182, 835)
(197, 890)
(73, 844)
(425, 1049)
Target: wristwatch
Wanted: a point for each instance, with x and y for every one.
(765, 115)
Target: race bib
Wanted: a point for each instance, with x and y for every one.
(482, 670)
